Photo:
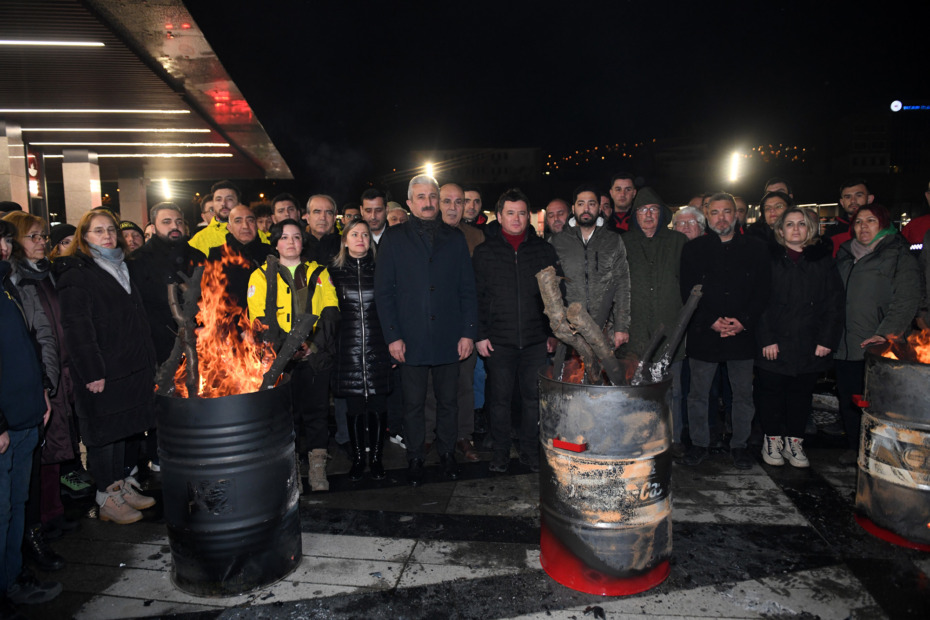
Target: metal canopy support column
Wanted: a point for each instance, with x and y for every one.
(14, 184)
(133, 204)
(81, 174)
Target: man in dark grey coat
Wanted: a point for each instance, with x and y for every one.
(594, 262)
(425, 293)
(734, 270)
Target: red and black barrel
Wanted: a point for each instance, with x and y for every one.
(605, 485)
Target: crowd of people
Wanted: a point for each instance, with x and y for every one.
(429, 327)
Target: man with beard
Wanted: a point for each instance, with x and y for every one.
(374, 212)
(225, 197)
(594, 262)
(425, 294)
(854, 194)
(159, 263)
(473, 214)
(735, 273)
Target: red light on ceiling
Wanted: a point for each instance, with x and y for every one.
(185, 26)
(169, 26)
(221, 95)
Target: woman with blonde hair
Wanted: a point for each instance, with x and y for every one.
(363, 363)
(797, 334)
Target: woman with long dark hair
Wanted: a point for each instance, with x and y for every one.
(363, 363)
(107, 335)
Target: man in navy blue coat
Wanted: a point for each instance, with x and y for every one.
(425, 293)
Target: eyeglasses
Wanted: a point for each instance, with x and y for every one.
(110, 230)
(650, 209)
(37, 238)
(683, 223)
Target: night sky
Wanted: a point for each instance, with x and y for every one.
(347, 89)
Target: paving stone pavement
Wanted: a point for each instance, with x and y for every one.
(763, 543)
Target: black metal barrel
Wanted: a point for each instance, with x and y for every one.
(605, 485)
(231, 490)
(893, 489)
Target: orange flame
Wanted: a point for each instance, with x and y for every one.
(573, 370)
(232, 357)
(919, 344)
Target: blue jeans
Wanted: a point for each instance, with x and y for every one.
(478, 384)
(15, 468)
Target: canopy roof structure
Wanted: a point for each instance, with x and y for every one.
(135, 82)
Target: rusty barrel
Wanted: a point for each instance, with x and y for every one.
(605, 485)
(231, 490)
(893, 489)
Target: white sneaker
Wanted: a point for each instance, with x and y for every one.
(772, 450)
(794, 452)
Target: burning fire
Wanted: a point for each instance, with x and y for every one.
(232, 357)
(573, 370)
(917, 348)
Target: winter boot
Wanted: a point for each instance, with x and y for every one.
(377, 430)
(38, 550)
(113, 506)
(317, 474)
(131, 488)
(358, 432)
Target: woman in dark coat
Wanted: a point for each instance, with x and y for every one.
(363, 364)
(112, 356)
(797, 333)
(883, 290)
(33, 279)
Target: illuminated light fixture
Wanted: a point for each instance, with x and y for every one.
(114, 130)
(149, 155)
(429, 168)
(87, 111)
(734, 166)
(14, 42)
(166, 189)
(152, 144)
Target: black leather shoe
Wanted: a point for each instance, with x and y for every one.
(38, 550)
(449, 467)
(741, 458)
(415, 473)
(695, 456)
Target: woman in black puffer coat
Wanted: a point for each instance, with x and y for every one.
(797, 334)
(363, 364)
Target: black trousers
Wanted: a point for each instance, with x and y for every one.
(783, 402)
(310, 394)
(445, 380)
(507, 367)
(850, 379)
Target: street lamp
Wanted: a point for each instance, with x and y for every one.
(734, 166)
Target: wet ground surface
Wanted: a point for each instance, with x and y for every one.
(763, 543)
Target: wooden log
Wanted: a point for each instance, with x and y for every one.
(300, 331)
(184, 314)
(583, 323)
(548, 282)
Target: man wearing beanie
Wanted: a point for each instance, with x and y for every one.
(654, 254)
(132, 234)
